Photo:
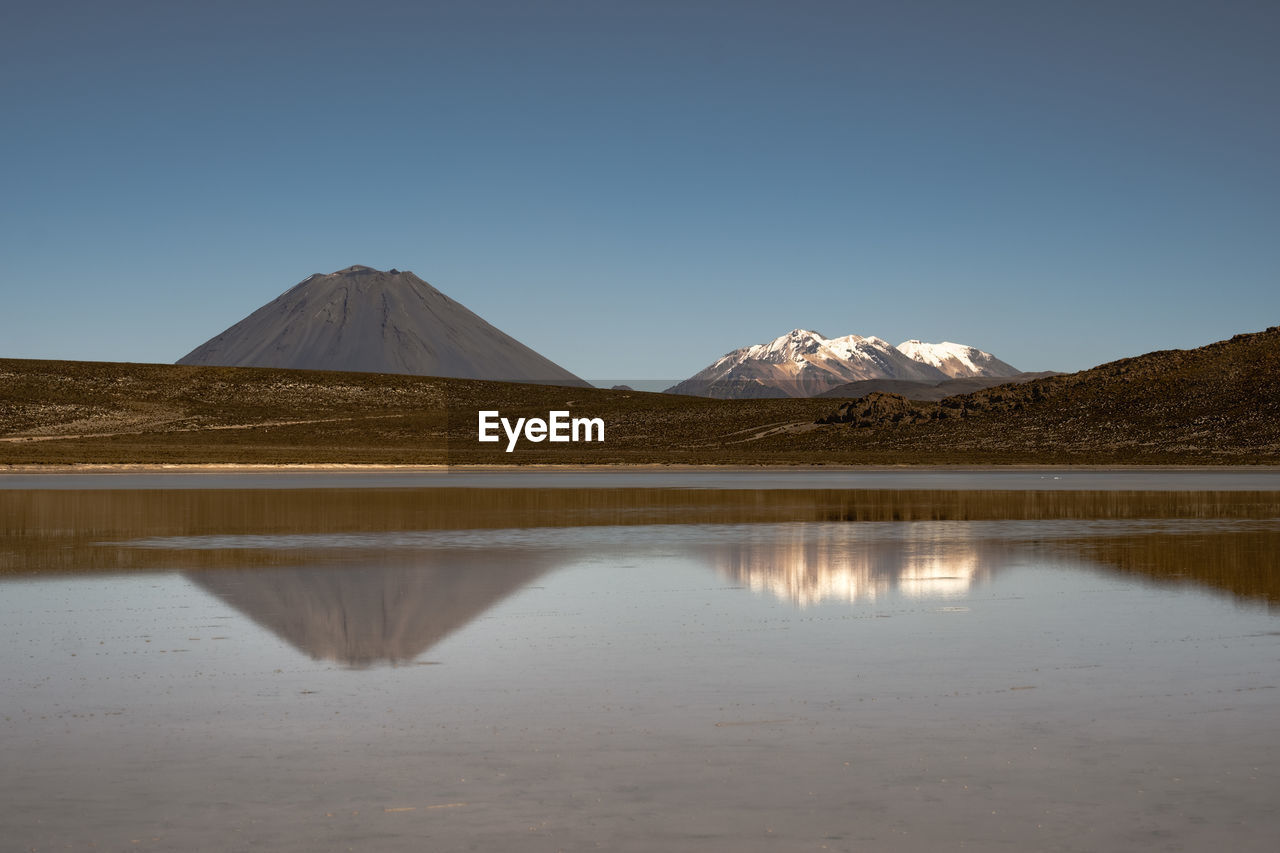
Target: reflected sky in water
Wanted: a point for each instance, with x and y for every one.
(803, 563)
(387, 597)
(350, 671)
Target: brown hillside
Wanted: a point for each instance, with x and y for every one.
(1221, 399)
(1218, 404)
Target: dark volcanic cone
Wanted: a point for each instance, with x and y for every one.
(366, 320)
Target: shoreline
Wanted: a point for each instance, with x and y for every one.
(578, 468)
(547, 478)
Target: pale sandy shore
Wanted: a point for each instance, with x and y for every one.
(794, 477)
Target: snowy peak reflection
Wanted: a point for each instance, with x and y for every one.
(852, 563)
(365, 614)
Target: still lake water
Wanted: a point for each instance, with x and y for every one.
(663, 667)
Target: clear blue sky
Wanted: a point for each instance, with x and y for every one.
(635, 188)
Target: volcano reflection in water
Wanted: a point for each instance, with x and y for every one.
(363, 614)
(844, 563)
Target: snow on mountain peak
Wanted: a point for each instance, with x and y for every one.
(956, 360)
(803, 362)
(794, 346)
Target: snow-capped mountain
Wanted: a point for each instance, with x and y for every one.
(958, 361)
(803, 363)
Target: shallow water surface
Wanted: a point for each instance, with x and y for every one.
(639, 670)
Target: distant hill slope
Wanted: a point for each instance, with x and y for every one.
(365, 320)
(928, 390)
(1219, 399)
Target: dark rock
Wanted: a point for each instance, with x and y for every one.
(880, 408)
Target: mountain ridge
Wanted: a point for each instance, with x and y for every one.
(804, 363)
(361, 319)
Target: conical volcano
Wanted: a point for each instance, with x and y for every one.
(367, 320)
